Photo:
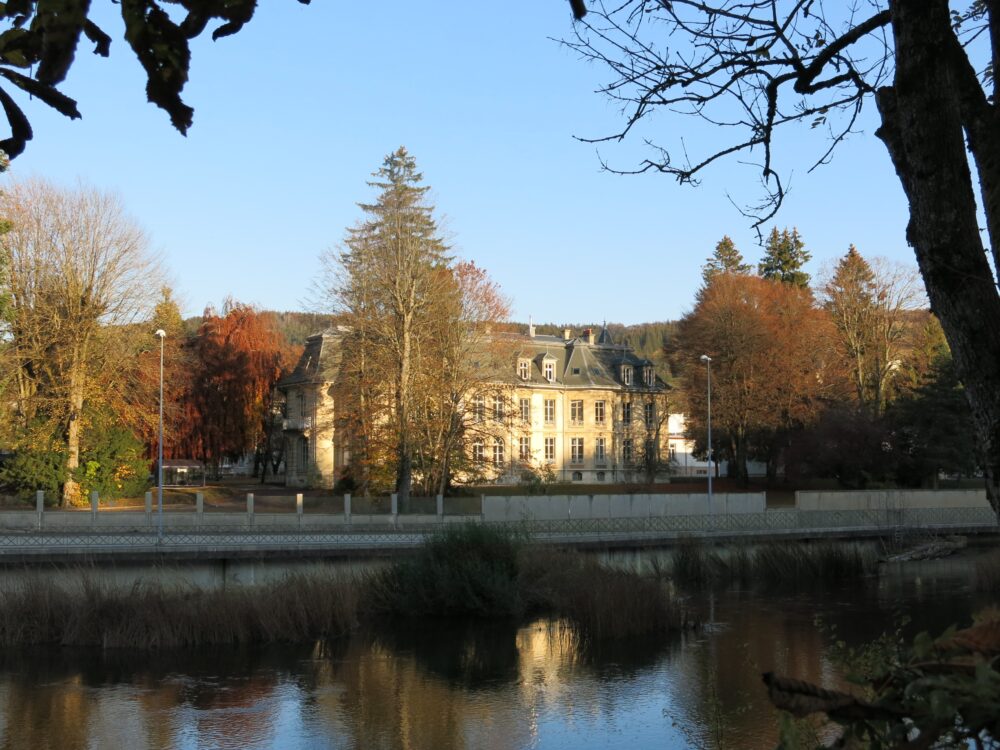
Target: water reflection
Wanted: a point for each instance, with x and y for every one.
(495, 686)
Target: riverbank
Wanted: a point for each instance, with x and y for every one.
(463, 571)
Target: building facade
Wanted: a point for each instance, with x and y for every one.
(568, 408)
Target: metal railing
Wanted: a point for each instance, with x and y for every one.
(334, 536)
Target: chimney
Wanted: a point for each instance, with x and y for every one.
(567, 334)
(588, 335)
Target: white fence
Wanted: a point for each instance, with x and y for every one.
(890, 499)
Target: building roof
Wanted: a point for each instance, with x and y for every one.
(320, 360)
(578, 363)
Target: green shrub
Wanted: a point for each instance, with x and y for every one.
(28, 471)
(112, 463)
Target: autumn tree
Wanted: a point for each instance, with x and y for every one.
(240, 358)
(140, 398)
(766, 340)
(79, 272)
(463, 358)
(391, 282)
(784, 255)
(766, 66)
(871, 306)
(725, 259)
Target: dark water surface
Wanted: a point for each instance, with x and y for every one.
(473, 686)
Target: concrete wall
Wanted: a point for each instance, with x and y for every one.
(558, 507)
(890, 499)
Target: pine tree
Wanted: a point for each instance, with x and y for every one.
(725, 259)
(393, 277)
(784, 256)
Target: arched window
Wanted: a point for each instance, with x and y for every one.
(577, 476)
(498, 451)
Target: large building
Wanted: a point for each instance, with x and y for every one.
(569, 408)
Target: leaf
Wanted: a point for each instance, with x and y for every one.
(983, 638)
(48, 94)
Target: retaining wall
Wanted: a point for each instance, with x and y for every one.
(890, 499)
(557, 507)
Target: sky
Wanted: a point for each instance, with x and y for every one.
(294, 113)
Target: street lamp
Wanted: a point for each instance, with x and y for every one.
(708, 363)
(159, 461)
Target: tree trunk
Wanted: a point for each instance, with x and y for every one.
(71, 488)
(924, 132)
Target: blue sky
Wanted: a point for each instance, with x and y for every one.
(294, 113)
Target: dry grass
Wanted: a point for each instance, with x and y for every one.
(771, 566)
(297, 609)
(988, 572)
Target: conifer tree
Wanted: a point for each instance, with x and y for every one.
(725, 259)
(784, 256)
(393, 279)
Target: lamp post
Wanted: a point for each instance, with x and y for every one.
(711, 469)
(159, 461)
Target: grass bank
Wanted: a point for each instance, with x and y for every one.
(463, 571)
(480, 571)
(793, 565)
(297, 609)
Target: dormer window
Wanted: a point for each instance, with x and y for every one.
(627, 374)
(648, 376)
(550, 371)
(523, 369)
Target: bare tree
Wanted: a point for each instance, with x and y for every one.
(754, 68)
(871, 305)
(80, 275)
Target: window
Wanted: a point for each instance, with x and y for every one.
(525, 404)
(647, 375)
(599, 412)
(550, 411)
(550, 449)
(649, 414)
(498, 452)
(576, 370)
(302, 405)
(600, 450)
(304, 452)
(577, 476)
(478, 451)
(627, 450)
(627, 374)
(550, 371)
(524, 448)
(627, 412)
(600, 476)
(673, 453)
(576, 450)
(479, 408)
(523, 369)
(576, 412)
(498, 409)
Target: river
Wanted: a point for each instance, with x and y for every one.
(473, 685)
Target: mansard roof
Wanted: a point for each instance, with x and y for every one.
(578, 364)
(320, 360)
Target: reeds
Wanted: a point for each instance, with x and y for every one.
(296, 609)
(988, 572)
(770, 566)
(481, 571)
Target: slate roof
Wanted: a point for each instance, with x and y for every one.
(320, 360)
(579, 364)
